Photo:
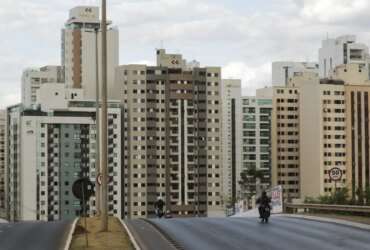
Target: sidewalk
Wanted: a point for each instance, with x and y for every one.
(351, 218)
(115, 239)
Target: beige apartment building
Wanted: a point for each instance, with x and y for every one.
(322, 136)
(285, 152)
(2, 162)
(358, 166)
(326, 127)
(172, 137)
(231, 139)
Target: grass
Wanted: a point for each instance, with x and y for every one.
(116, 237)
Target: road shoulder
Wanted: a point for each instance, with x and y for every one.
(340, 220)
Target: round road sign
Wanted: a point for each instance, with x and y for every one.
(335, 174)
(83, 188)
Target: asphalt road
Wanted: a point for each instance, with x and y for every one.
(147, 236)
(34, 235)
(281, 233)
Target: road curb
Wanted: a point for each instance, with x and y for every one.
(132, 239)
(165, 235)
(70, 235)
(330, 220)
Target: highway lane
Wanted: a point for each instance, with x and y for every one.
(147, 236)
(282, 233)
(34, 235)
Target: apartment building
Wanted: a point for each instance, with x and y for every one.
(283, 71)
(320, 124)
(256, 142)
(357, 131)
(341, 50)
(81, 51)
(322, 136)
(32, 79)
(172, 137)
(285, 140)
(231, 139)
(51, 147)
(2, 163)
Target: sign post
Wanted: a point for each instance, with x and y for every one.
(83, 189)
(335, 175)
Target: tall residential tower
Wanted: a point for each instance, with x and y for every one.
(231, 139)
(172, 137)
(81, 38)
(2, 163)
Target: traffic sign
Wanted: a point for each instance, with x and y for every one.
(335, 174)
(83, 189)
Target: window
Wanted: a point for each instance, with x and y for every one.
(249, 125)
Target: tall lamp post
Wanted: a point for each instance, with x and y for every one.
(104, 134)
(97, 158)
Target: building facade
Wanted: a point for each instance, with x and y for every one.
(322, 136)
(231, 139)
(256, 144)
(283, 71)
(172, 137)
(357, 131)
(339, 51)
(81, 43)
(318, 125)
(32, 79)
(285, 154)
(3, 204)
(50, 148)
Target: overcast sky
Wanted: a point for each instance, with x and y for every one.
(242, 36)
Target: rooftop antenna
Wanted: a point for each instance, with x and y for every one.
(327, 35)
(162, 44)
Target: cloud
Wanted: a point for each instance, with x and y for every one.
(9, 99)
(244, 36)
(334, 11)
(252, 77)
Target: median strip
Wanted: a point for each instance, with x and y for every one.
(115, 238)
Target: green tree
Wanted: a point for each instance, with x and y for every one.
(360, 196)
(367, 195)
(249, 179)
(340, 196)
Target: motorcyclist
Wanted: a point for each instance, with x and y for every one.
(158, 206)
(263, 201)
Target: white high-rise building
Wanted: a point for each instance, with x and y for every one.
(341, 50)
(80, 40)
(2, 162)
(283, 71)
(256, 142)
(32, 79)
(51, 147)
(231, 139)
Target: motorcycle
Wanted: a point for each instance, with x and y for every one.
(265, 214)
(159, 213)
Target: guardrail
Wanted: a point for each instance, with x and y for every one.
(291, 207)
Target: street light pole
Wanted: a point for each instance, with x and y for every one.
(97, 158)
(104, 112)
